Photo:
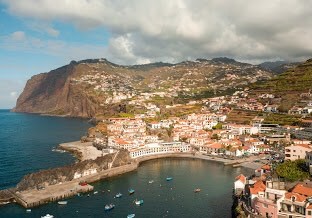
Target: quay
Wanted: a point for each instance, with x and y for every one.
(32, 198)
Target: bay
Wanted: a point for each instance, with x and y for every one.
(26, 142)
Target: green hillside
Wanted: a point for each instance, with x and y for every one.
(289, 85)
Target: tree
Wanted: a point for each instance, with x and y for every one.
(218, 126)
(293, 170)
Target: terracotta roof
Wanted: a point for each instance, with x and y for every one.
(259, 186)
(242, 178)
(266, 167)
(304, 145)
(303, 190)
(298, 197)
(310, 206)
(215, 145)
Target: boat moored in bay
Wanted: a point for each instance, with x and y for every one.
(197, 190)
(138, 202)
(131, 215)
(62, 202)
(109, 207)
(169, 178)
(131, 191)
(118, 195)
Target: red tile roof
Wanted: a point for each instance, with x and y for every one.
(216, 145)
(242, 178)
(298, 197)
(259, 186)
(266, 167)
(303, 190)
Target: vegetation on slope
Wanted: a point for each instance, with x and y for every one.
(293, 170)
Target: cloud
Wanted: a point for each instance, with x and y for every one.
(13, 94)
(44, 28)
(9, 91)
(18, 36)
(181, 29)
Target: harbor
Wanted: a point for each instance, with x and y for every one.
(34, 197)
(175, 196)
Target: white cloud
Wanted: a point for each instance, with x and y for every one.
(179, 29)
(13, 94)
(44, 28)
(18, 36)
(9, 91)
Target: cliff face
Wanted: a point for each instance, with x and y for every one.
(91, 87)
(52, 93)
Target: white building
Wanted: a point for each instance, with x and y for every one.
(160, 148)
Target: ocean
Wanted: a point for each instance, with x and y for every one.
(26, 143)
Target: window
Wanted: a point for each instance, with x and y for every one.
(309, 212)
(265, 205)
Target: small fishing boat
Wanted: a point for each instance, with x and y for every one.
(118, 195)
(47, 216)
(109, 207)
(197, 190)
(131, 191)
(62, 202)
(138, 202)
(151, 181)
(28, 210)
(95, 192)
(169, 178)
(131, 215)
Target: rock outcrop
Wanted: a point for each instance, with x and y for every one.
(52, 93)
(64, 174)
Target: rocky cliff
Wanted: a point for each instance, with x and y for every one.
(53, 93)
(90, 87)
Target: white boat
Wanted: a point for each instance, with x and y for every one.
(169, 178)
(139, 202)
(28, 210)
(62, 202)
(109, 207)
(47, 216)
(197, 190)
(131, 215)
(151, 181)
(95, 192)
(119, 195)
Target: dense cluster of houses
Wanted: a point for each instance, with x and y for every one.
(193, 132)
(267, 196)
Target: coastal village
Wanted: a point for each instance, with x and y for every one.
(262, 145)
(245, 128)
(205, 133)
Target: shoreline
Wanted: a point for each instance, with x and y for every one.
(85, 151)
(32, 198)
(81, 150)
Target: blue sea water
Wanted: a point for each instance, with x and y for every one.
(27, 140)
(27, 147)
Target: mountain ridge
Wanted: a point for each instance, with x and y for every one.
(94, 86)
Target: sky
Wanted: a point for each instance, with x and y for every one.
(37, 36)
